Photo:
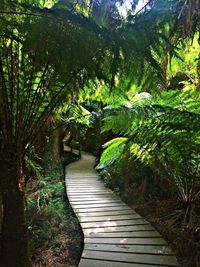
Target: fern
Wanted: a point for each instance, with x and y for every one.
(114, 151)
(164, 132)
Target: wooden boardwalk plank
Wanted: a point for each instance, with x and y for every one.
(126, 240)
(85, 183)
(90, 193)
(90, 196)
(105, 213)
(116, 204)
(143, 249)
(110, 218)
(114, 234)
(103, 263)
(163, 260)
(87, 190)
(114, 223)
(98, 209)
(124, 234)
(119, 229)
(92, 201)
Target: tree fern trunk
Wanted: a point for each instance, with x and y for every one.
(14, 243)
(164, 65)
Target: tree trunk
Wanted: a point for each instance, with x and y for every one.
(164, 65)
(198, 66)
(14, 243)
(57, 139)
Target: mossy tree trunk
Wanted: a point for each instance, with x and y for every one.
(57, 137)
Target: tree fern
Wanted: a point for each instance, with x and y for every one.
(160, 132)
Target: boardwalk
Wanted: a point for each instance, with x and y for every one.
(114, 235)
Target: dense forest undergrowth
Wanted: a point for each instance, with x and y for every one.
(55, 236)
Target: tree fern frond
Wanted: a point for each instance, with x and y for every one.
(114, 150)
(118, 121)
(164, 132)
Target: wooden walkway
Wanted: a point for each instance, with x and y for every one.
(114, 235)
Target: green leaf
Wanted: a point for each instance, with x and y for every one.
(114, 150)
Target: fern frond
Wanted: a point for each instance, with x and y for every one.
(164, 132)
(114, 150)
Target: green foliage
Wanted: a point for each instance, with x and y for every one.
(114, 150)
(50, 220)
(29, 93)
(52, 167)
(188, 52)
(163, 135)
(31, 163)
(77, 114)
(48, 217)
(97, 93)
(122, 115)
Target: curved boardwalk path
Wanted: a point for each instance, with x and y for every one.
(114, 235)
